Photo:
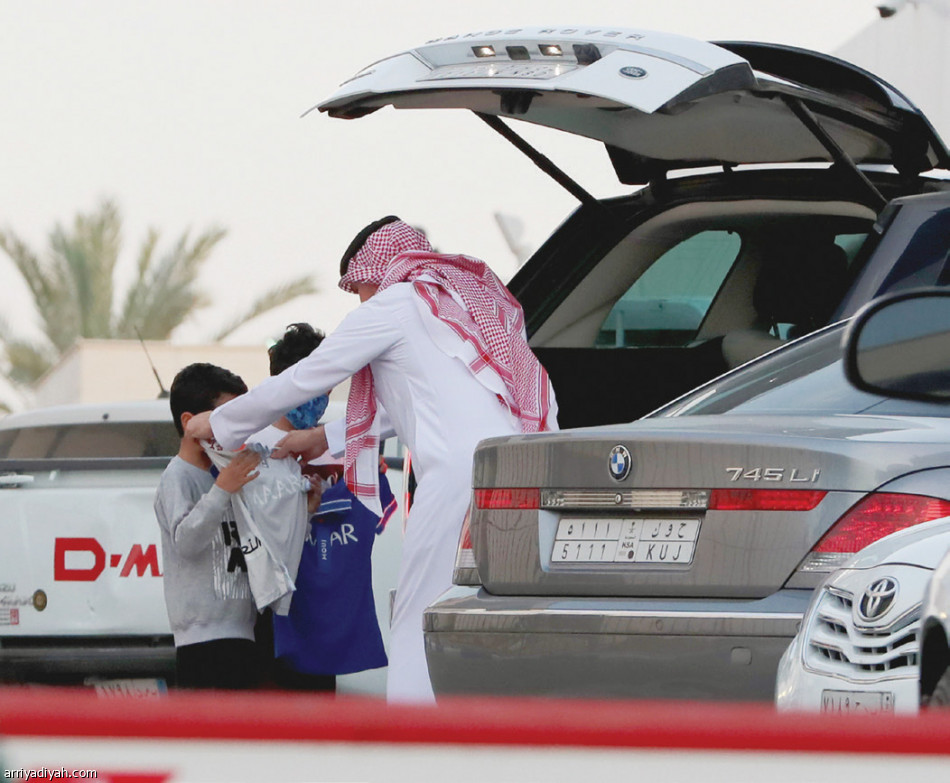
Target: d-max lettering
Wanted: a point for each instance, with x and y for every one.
(83, 559)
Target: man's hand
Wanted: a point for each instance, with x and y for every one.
(308, 444)
(199, 426)
(241, 470)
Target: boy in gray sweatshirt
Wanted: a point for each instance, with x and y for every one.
(207, 595)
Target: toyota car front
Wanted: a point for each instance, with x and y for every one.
(858, 650)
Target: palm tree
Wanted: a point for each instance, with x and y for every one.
(72, 287)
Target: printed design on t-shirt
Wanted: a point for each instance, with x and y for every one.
(230, 568)
(265, 492)
(345, 534)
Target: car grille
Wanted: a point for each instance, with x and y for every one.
(833, 645)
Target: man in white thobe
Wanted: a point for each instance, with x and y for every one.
(437, 342)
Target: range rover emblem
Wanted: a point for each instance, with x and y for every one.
(878, 598)
(619, 463)
(632, 72)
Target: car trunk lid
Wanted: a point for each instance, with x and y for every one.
(663, 507)
(659, 102)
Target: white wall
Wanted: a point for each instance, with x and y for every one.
(119, 370)
(911, 50)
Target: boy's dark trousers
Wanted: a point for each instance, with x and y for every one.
(221, 663)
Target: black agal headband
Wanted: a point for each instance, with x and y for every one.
(360, 239)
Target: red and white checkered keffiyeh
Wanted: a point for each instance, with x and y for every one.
(489, 319)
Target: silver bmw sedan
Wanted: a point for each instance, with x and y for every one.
(673, 557)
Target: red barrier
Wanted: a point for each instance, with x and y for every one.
(42, 712)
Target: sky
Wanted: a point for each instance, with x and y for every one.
(188, 114)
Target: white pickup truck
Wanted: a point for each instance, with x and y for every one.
(81, 596)
(80, 563)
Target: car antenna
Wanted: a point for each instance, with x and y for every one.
(163, 392)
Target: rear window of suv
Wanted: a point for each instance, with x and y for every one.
(668, 302)
(91, 441)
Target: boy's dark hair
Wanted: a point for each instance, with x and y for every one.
(197, 386)
(298, 341)
(360, 239)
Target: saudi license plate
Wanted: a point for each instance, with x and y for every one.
(857, 702)
(137, 687)
(644, 541)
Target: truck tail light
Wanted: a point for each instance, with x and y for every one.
(872, 518)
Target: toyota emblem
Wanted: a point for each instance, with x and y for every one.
(877, 599)
(619, 463)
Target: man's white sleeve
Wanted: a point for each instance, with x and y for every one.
(363, 335)
(336, 436)
(336, 431)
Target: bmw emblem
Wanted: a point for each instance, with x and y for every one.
(632, 72)
(619, 463)
(878, 599)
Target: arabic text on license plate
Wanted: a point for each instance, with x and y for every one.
(640, 541)
(857, 701)
(144, 687)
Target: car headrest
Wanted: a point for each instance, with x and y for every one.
(801, 283)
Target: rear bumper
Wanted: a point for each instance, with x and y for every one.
(609, 647)
(63, 660)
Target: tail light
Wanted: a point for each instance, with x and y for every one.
(466, 572)
(508, 498)
(764, 499)
(867, 521)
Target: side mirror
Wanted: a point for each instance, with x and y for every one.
(899, 346)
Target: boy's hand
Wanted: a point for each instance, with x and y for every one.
(199, 426)
(241, 471)
(314, 496)
(308, 444)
